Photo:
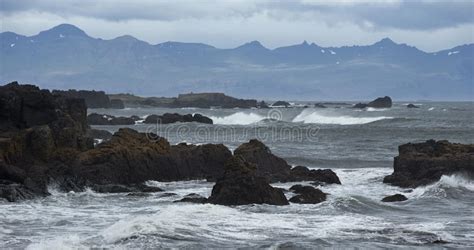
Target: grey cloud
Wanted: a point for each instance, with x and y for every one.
(410, 15)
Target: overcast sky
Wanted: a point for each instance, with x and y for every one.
(429, 25)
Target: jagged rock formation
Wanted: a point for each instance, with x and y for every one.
(424, 163)
(241, 185)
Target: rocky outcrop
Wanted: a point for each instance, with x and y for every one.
(320, 176)
(208, 100)
(102, 119)
(131, 157)
(395, 198)
(381, 102)
(412, 106)
(424, 163)
(93, 99)
(281, 104)
(276, 169)
(241, 185)
(307, 195)
(37, 131)
(175, 117)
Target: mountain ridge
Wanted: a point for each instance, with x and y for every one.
(66, 57)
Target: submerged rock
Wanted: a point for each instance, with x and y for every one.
(424, 163)
(168, 118)
(193, 198)
(281, 104)
(116, 188)
(412, 106)
(307, 195)
(241, 185)
(319, 105)
(394, 198)
(101, 119)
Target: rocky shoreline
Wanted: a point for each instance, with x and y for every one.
(45, 138)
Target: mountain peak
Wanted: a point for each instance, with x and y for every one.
(386, 41)
(63, 30)
(253, 44)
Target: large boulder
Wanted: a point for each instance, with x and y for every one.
(381, 102)
(276, 169)
(241, 185)
(307, 195)
(300, 173)
(395, 198)
(268, 165)
(424, 163)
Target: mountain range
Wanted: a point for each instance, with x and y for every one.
(65, 57)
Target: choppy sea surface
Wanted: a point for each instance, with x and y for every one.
(359, 145)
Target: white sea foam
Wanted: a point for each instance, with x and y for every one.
(239, 118)
(432, 108)
(311, 116)
(376, 109)
(439, 188)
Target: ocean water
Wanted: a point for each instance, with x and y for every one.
(359, 145)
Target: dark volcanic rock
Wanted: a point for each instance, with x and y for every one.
(412, 106)
(175, 117)
(424, 163)
(240, 185)
(207, 100)
(307, 195)
(94, 99)
(300, 173)
(394, 198)
(131, 157)
(281, 104)
(268, 165)
(99, 119)
(277, 169)
(381, 102)
(37, 132)
(193, 198)
(360, 106)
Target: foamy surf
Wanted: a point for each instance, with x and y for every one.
(311, 116)
(239, 118)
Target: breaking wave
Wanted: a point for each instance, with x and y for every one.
(309, 116)
(239, 118)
